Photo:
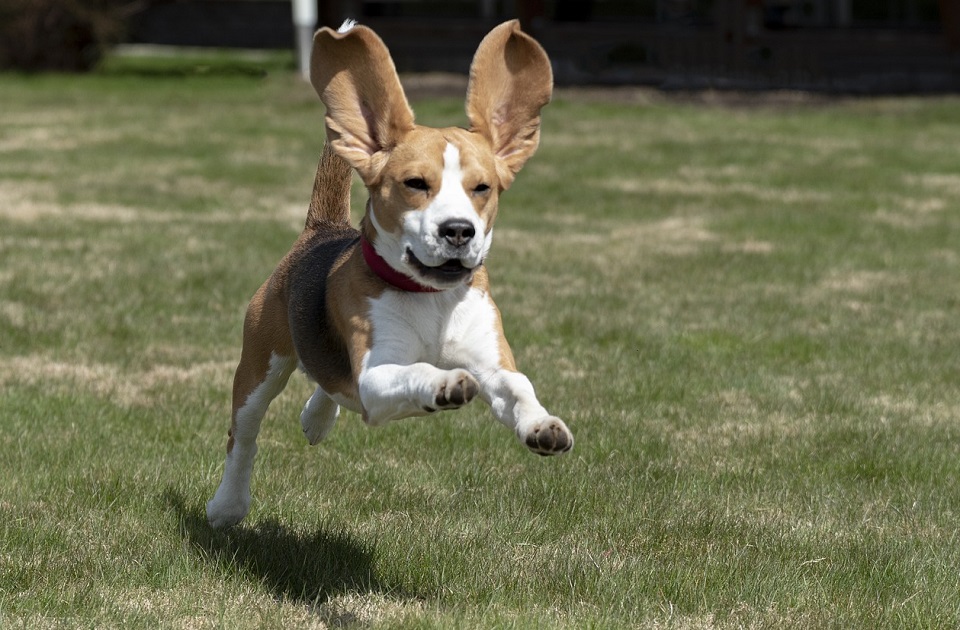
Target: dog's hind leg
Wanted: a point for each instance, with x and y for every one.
(232, 499)
(318, 416)
(265, 366)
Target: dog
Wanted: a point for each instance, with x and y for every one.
(395, 319)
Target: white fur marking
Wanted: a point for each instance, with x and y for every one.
(347, 26)
(318, 416)
(232, 500)
(419, 341)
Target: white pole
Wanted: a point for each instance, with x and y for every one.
(304, 23)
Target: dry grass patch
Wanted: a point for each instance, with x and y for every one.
(182, 608)
(126, 388)
(696, 187)
(912, 213)
(606, 241)
(943, 183)
(365, 609)
(861, 281)
(913, 412)
(31, 203)
(853, 289)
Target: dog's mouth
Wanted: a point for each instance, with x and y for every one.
(448, 272)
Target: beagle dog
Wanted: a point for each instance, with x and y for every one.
(395, 319)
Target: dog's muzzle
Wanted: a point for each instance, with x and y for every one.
(449, 272)
(454, 238)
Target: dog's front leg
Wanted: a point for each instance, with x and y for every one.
(513, 401)
(391, 391)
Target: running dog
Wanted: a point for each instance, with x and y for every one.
(395, 319)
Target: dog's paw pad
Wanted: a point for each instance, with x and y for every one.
(456, 389)
(549, 436)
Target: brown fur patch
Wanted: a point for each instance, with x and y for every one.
(351, 286)
(265, 333)
(419, 155)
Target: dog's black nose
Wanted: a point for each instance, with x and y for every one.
(457, 232)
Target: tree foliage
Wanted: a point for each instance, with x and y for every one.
(61, 35)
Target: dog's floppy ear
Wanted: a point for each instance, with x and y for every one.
(510, 81)
(367, 111)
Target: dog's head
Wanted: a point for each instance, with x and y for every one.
(433, 192)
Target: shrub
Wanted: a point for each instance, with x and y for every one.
(64, 35)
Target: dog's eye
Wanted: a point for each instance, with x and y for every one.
(416, 183)
(481, 188)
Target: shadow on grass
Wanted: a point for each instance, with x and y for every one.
(308, 568)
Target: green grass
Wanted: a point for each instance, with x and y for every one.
(747, 315)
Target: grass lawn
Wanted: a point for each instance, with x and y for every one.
(748, 315)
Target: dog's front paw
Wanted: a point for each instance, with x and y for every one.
(453, 390)
(548, 436)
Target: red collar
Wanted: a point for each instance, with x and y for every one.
(388, 274)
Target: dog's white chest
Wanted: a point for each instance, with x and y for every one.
(448, 329)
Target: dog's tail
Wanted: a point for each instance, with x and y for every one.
(330, 203)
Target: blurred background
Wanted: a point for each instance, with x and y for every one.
(847, 46)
